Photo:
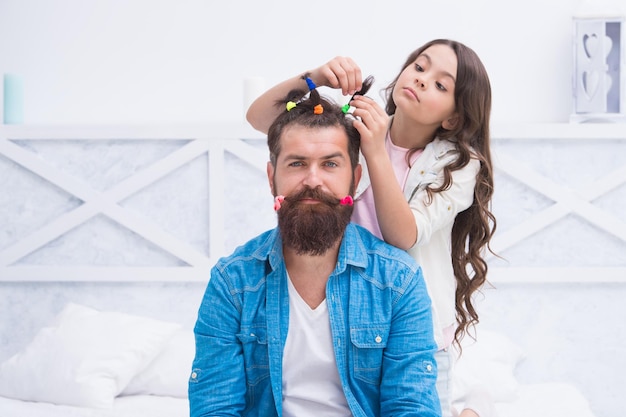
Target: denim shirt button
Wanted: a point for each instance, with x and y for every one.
(429, 368)
(378, 339)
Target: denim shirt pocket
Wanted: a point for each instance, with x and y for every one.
(367, 345)
(255, 354)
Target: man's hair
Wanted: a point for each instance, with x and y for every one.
(304, 114)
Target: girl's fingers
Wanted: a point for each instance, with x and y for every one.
(372, 122)
(365, 106)
(353, 78)
(343, 73)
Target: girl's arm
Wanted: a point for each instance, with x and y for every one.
(339, 72)
(393, 212)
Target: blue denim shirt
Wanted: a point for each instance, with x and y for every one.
(379, 316)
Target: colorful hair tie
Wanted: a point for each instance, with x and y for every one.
(290, 105)
(318, 109)
(310, 83)
(345, 108)
(278, 201)
(346, 201)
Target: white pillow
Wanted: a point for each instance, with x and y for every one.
(85, 358)
(554, 399)
(168, 373)
(488, 365)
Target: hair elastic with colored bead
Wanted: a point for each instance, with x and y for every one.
(309, 82)
(367, 83)
(347, 201)
(278, 200)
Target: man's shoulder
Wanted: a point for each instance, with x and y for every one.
(383, 264)
(380, 251)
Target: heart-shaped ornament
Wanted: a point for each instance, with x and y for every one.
(590, 45)
(591, 81)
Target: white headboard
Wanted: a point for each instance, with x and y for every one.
(164, 196)
(560, 199)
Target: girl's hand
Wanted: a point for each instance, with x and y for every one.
(372, 123)
(340, 72)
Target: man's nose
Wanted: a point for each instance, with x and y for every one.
(312, 177)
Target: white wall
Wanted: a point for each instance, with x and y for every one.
(133, 61)
(136, 61)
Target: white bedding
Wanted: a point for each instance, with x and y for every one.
(89, 363)
(99, 364)
(130, 406)
(488, 366)
(554, 399)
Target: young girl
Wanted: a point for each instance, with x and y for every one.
(433, 139)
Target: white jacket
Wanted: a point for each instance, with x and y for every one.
(434, 222)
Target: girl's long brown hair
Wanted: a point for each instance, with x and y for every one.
(474, 227)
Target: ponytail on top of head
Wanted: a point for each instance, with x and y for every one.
(311, 109)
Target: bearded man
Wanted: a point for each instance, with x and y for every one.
(316, 317)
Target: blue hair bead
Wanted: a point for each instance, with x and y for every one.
(310, 83)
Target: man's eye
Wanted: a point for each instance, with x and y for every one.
(331, 164)
(296, 164)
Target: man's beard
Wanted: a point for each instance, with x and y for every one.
(312, 229)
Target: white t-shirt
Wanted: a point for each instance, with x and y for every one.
(311, 386)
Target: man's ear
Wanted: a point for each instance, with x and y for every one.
(451, 122)
(270, 176)
(358, 171)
